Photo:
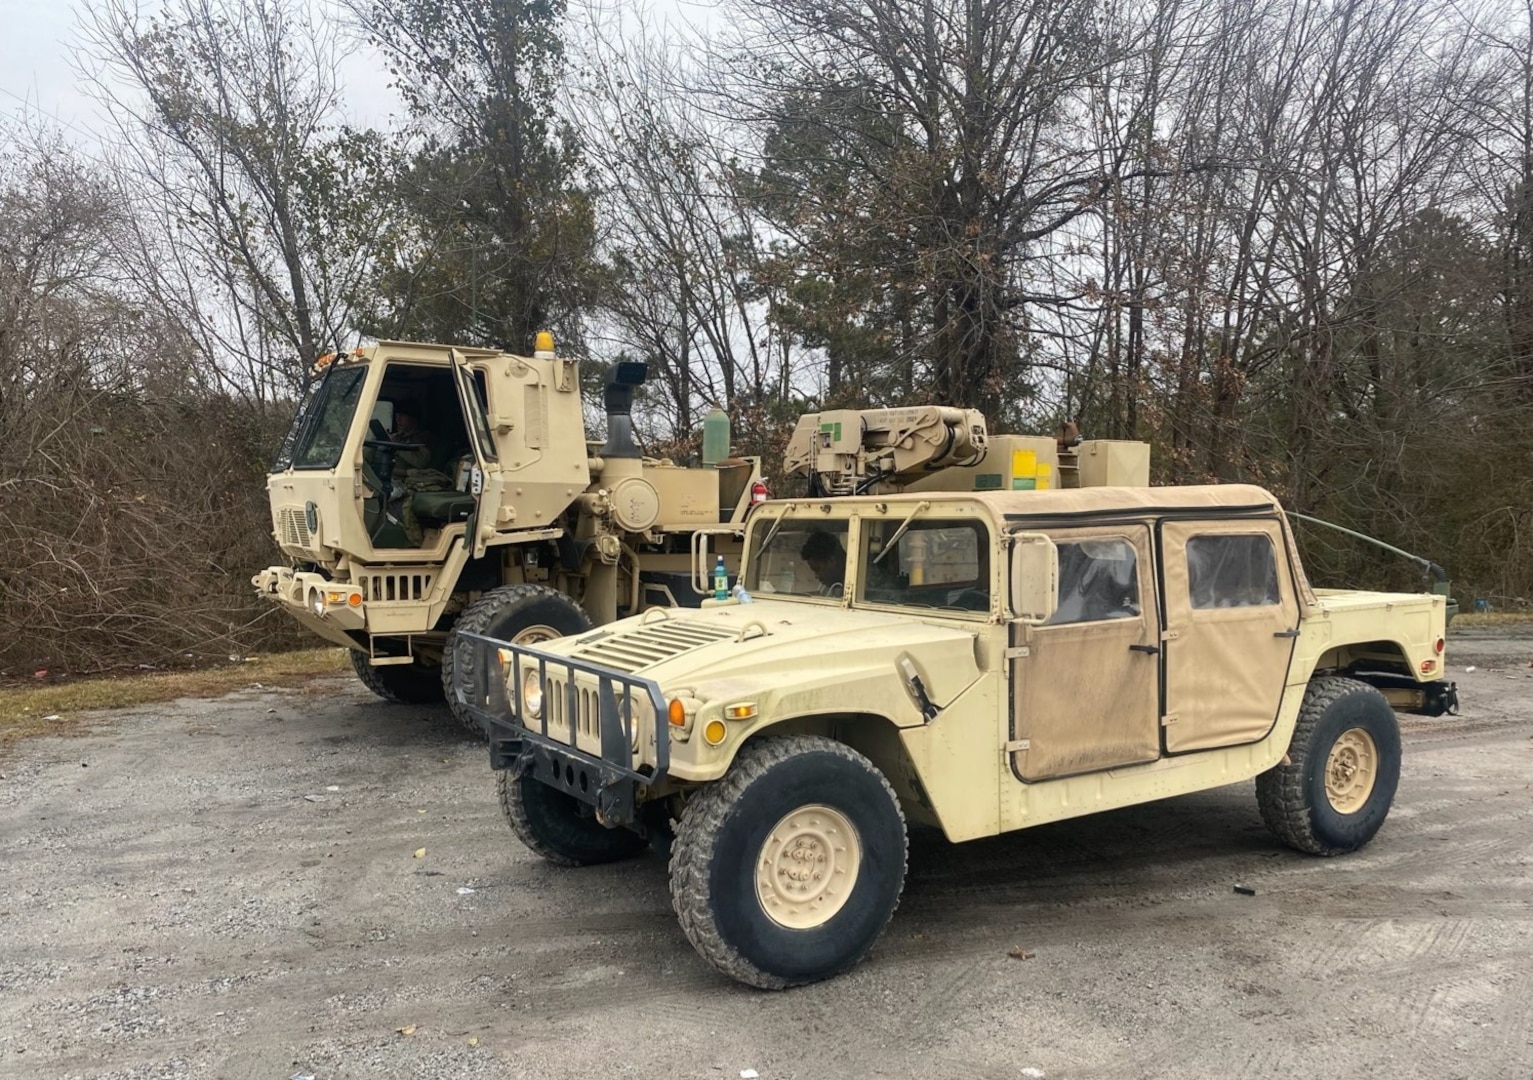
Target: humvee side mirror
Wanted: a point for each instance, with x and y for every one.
(1034, 578)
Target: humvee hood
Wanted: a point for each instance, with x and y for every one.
(771, 644)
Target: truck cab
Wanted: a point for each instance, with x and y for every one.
(979, 662)
(416, 479)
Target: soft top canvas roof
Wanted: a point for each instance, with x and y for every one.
(1096, 500)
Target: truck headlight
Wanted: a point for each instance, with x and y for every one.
(532, 694)
(317, 602)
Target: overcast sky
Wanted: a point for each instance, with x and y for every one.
(39, 48)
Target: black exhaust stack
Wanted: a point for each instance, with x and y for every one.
(617, 397)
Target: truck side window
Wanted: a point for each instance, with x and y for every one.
(1098, 579)
(1232, 571)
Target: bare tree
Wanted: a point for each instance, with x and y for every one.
(256, 215)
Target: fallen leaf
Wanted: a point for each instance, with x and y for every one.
(407, 1030)
(1020, 953)
(474, 1041)
(420, 853)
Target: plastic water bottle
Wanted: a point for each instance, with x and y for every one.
(741, 596)
(720, 580)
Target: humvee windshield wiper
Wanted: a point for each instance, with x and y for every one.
(890, 543)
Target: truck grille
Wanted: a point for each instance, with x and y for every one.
(292, 528)
(652, 643)
(383, 587)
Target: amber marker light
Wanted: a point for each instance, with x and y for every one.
(746, 710)
(1428, 666)
(676, 713)
(355, 599)
(714, 732)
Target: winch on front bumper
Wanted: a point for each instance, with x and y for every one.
(594, 733)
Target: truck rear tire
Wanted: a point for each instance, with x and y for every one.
(520, 614)
(788, 869)
(415, 683)
(1344, 767)
(550, 823)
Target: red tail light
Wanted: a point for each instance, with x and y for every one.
(1441, 644)
(759, 493)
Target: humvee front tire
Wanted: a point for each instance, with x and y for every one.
(520, 614)
(414, 683)
(1344, 766)
(550, 823)
(788, 869)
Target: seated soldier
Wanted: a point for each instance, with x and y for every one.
(408, 429)
(827, 558)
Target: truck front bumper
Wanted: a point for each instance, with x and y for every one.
(324, 606)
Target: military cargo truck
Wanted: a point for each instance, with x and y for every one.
(977, 661)
(425, 490)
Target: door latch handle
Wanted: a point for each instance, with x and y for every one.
(1148, 650)
(1287, 634)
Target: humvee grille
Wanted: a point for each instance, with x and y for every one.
(293, 527)
(652, 643)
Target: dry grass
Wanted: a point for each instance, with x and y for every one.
(49, 709)
(1493, 618)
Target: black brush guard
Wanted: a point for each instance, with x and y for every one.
(610, 784)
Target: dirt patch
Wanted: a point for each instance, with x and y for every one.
(230, 888)
(43, 707)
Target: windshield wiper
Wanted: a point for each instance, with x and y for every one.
(893, 541)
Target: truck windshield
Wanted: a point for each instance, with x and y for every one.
(319, 430)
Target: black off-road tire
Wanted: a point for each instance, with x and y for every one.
(1292, 797)
(415, 683)
(505, 613)
(552, 825)
(722, 837)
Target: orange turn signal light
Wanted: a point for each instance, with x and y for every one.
(676, 713)
(1428, 666)
(355, 599)
(714, 732)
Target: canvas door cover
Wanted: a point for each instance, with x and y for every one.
(1230, 616)
(1082, 698)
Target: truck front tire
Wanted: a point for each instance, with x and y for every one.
(1344, 766)
(550, 823)
(520, 614)
(788, 869)
(414, 683)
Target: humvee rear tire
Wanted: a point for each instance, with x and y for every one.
(551, 824)
(1344, 767)
(520, 614)
(788, 869)
(415, 683)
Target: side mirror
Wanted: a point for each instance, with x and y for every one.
(1034, 578)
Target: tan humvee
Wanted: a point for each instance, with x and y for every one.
(978, 662)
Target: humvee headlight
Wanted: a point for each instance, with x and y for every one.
(714, 732)
(317, 602)
(532, 694)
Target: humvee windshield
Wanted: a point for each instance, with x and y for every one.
(798, 558)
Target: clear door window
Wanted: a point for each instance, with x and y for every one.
(1098, 579)
(1232, 571)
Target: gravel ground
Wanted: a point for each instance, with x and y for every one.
(236, 888)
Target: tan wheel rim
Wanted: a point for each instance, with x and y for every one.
(808, 867)
(534, 634)
(1350, 771)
